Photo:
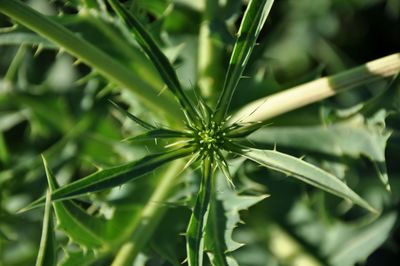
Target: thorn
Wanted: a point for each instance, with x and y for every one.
(177, 143)
(60, 52)
(162, 90)
(302, 157)
(77, 62)
(245, 77)
(39, 49)
(86, 78)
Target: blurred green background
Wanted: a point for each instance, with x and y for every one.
(50, 106)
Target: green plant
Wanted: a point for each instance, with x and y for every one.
(196, 133)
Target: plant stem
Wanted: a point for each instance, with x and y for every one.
(89, 54)
(314, 91)
(150, 217)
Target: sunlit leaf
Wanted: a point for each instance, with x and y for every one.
(353, 138)
(305, 172)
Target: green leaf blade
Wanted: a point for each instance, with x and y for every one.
(47, 250)
(112, 177)
(224, 217)
(159, 133)
(198, 220)
(132, 117)
(305, 172)
(355, 137)
(159, 60)
(253, 20)
(81, 227)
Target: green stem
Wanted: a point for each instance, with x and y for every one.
(89, 54)
(150, 217)
(317, 90)
(198, 220)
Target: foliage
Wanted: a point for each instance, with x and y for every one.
(85, 74)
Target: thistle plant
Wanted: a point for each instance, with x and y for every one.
(197, 135)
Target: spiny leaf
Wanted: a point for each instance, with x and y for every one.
(48, 245)
(353, 138)
(134, 118)
(305, 172)
(364, 242)
(159, 60)
(81, 227)
(114, 176)
(253, 20)
(160, 133)
(79, 257)
(243, 130)
(198, 220)
(224, 217)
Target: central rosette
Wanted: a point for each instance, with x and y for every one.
(210, 138)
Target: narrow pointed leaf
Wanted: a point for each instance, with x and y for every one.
(159, 60)
(114, 176)
(47, 250)
(224, 167)
(245, 129)
(353, 138)
(81, 227)
(159, 133)
(134, 118)
(198, 220)
(253, 20)
(305, 172)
